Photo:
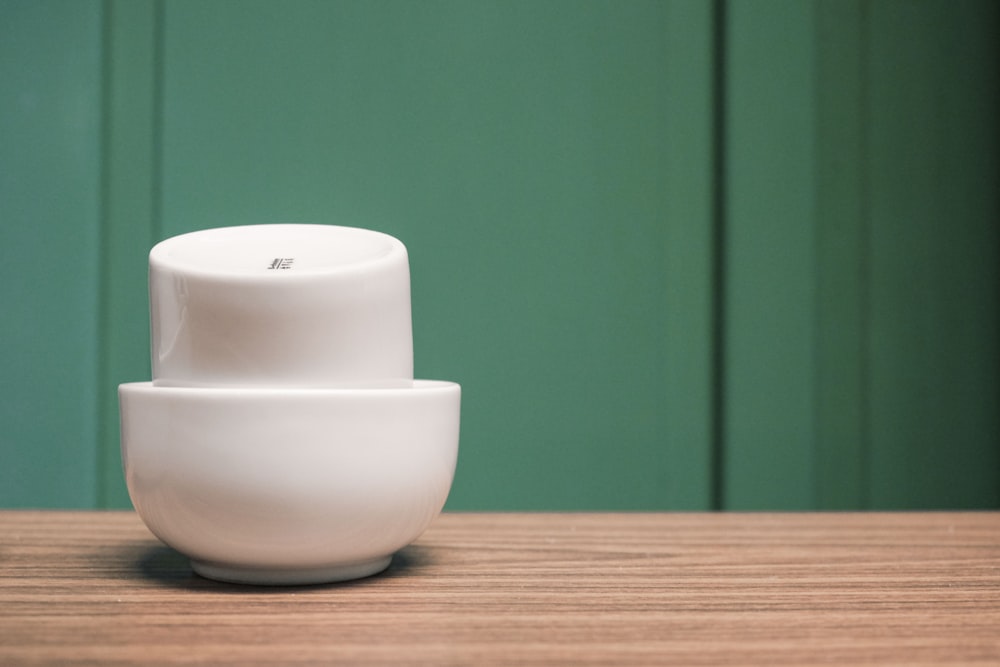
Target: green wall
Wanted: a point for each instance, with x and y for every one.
(680, 255)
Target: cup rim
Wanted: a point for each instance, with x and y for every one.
(160, 256)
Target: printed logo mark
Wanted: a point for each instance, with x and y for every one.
(281, 263)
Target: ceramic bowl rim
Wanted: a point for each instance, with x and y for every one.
(391, 388)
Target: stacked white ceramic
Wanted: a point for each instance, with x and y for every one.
(283, 439)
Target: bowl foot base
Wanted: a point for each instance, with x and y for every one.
(292, 576)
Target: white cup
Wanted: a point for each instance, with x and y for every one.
(280, 305)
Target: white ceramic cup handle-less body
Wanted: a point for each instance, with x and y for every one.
(280, 305)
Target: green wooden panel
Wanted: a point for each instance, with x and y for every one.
(550, 167)
(547, 165)
(49, 219)
(770, 268)
(933, 170)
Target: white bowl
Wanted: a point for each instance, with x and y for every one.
(289, 486)
(280, 305)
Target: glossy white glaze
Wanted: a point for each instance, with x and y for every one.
(289, 485)
(280, 305)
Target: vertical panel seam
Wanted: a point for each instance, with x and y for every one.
(156, 175)
(103, 275)
(121, 217)
(718, 264)
(864, 195)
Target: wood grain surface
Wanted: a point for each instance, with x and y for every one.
(506, 589)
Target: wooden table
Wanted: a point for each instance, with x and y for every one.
(505, 589)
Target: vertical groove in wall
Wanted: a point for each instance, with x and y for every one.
(718, 279)
(687, 66)
(156, 175)
(865, 258)
(103, 306)
(127, 173)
